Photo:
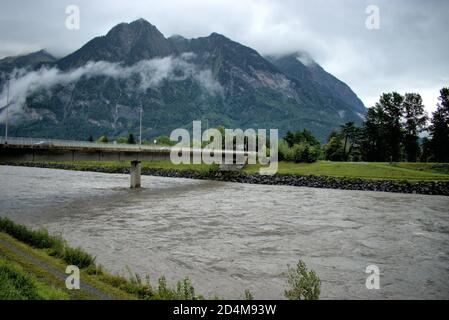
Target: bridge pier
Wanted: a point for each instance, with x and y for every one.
(136, 168)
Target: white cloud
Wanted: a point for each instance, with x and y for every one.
(152, 72)
(409, 50)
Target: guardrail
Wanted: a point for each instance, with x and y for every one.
(73, 143)
(103, 145)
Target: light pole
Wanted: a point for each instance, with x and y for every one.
(7, 111)
(140, 127)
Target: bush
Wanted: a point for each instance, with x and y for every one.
(305, 152)
(304, 284)
(248, 295)
(300, 152)
(78, 257)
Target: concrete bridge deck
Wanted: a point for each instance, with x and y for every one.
(31, 149)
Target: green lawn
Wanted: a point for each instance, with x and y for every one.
(366, 170)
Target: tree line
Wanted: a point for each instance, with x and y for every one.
(396, 128)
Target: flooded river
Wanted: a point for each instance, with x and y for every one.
(228, 237)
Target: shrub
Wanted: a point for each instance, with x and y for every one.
(185, 290)
(78, 257)
(304, 152)
(304, 284)
(248, 295)
(284, 151)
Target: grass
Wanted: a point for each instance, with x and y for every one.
(366, 170)
(112, 166)
(22, 278)
(16, 284)
(41, 239)
(401, 171)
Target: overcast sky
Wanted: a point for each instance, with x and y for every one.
(409, 52)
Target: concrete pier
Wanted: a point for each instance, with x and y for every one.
(136, 168)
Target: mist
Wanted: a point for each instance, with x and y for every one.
(152, 73)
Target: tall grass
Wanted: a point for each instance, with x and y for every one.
(41, 239)
(15, 284)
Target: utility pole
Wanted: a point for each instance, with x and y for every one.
(7, 111)
(140, 130)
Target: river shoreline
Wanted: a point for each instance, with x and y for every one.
(420, 187)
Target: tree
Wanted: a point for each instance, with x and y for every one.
(382, 130)
(415, 121)
(350, 135)
(290, 138)
(426, 150)
(392, 105)
(131, 139)
(333, 149)
(439, 128)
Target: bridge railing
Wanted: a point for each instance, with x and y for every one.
(20, 141)
(73, 143)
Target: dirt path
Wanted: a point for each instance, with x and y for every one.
(55, 272)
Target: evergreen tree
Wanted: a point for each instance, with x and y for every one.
(290, 139)
(440, 128)
(415, 121)
(382, 131)
(333, 150)
(131, 139)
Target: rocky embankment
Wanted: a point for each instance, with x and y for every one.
(422, 187)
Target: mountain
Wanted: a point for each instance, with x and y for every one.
(126, 42)
(177, 80)
(33, 60)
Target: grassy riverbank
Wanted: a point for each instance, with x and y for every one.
(403, 171)
(33, 265)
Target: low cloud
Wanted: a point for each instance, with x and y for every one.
(151, 73)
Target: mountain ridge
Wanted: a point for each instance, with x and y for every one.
(257, 91)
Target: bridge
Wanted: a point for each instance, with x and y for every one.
(43, 150)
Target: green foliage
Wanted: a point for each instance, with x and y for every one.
(248, 295)
(164, 141)
(304, 152)
(298, 147)
(131, 139)
(15, 284)
(415, 121)
(41, 239)
(440, 128)
(103, 139)
(303, 284)
(35, 238)
(299, 137)
(78, 257)
(184, 290)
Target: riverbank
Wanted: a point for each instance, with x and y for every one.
(410, 178)
(32, 268)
